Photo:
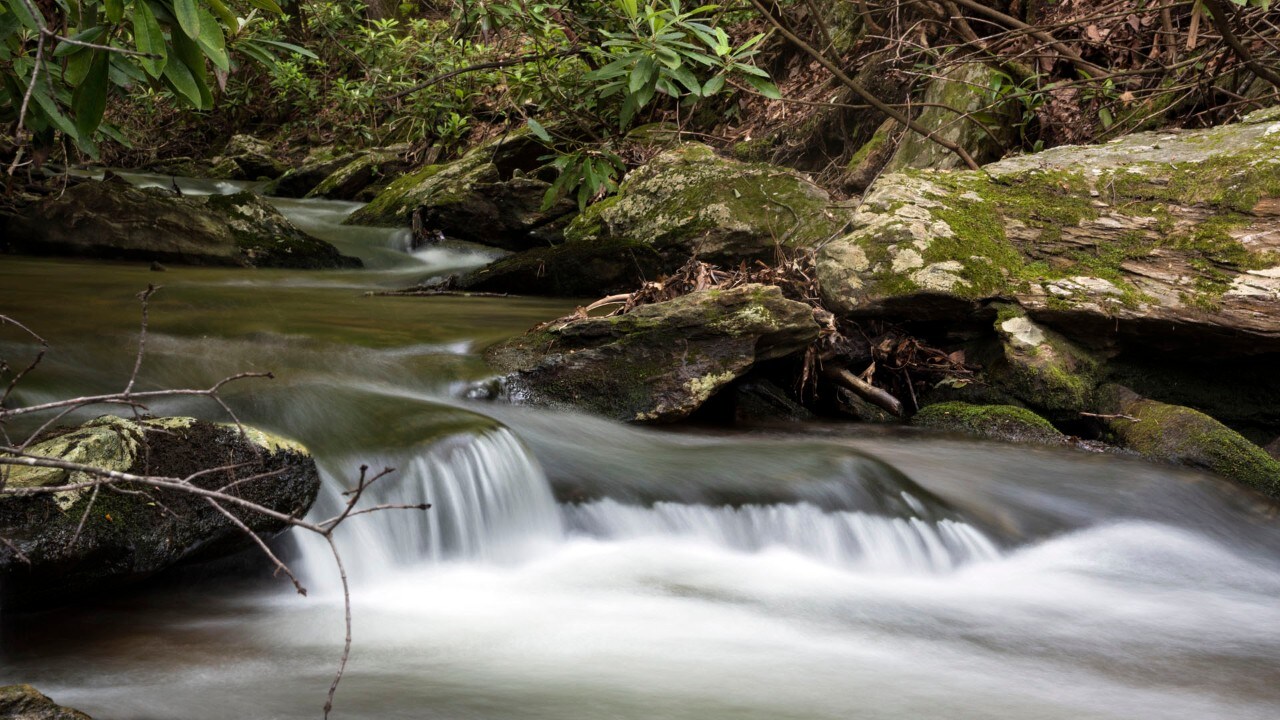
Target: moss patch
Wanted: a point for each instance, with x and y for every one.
(992, 422)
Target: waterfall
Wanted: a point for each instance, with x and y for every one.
(858, 540)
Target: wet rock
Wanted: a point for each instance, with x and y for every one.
(1273, 448)
(114, 220)
(488, 196)
(1008, 423)
(1163, 240)
(1181, 435)
(659, 362)
(129, 535)
(24, 702)
(685, 202)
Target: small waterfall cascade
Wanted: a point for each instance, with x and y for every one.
(857, 540)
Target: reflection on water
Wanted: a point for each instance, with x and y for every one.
(822, 574)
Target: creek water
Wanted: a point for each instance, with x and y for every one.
(824, 572)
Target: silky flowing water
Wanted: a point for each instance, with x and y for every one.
(821, 572)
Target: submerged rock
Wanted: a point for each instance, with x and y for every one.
(24, 702)
(486, 197)
(115, 220)
(1181, 435)
(1167, 240)
(128, 535)
(992, 422)
(659, 362)
(685, 202)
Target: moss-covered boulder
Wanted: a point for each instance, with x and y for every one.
(1040, 367)
(659, 362)
(489, 196)
(1168, 239)
(360, 175)
(992, 422)
(248, 158)
(24, 702)
(690, 201)
(1181, 435)
(116, 221)
(685, 202)
(958, 107)
(297, 181)
(131, 531)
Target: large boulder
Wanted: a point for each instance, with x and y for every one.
(24, 702)
(659, 362)
(1182, 435)
(114, 220)
(487, 197)
(685, 202)
(132, 531)
(1168, 240)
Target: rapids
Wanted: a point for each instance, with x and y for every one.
(829, 573)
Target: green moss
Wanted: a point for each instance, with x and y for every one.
(995, 422)
(1173, 433)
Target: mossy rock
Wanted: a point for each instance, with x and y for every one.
(1008, 423)
(1181, 435)
(248, 158)
(349, 180)
(657, 363)
(1042, 368)
(1164, 239)
(493, 196)
(129, 535)
(116, 221)
(689, 201)
(298, 181)
(24, 702)
(951, 101)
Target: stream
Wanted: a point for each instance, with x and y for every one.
(822, 571)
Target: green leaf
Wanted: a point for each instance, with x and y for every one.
(188, 15)
(25, 16)
(764, 87)
(115, 10)
(148, 38)
(188, 53)
(50, 108)
(211, 40)
(255, 51)
(77, 68)
(183, 83)
(536, 128)
(642, 74)
(687, 79)
(224, 14)
(291, 48)
(90, 99)
(713, 86)
(90, 36)
(268, 5)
